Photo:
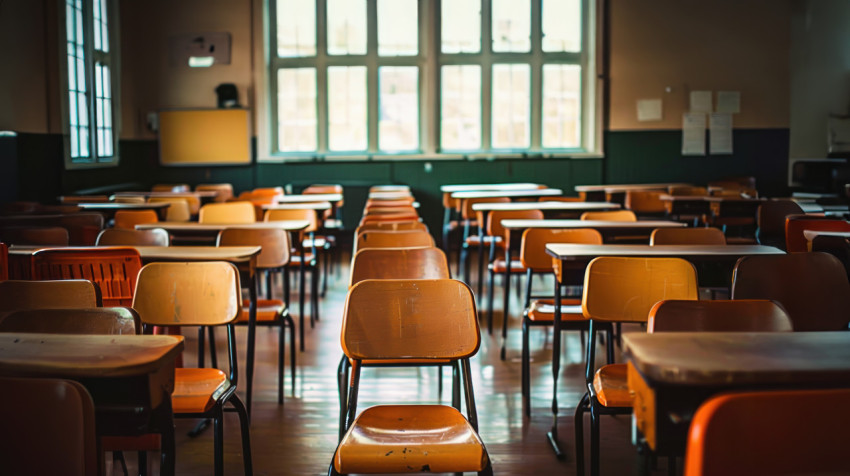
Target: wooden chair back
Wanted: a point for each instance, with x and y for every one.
(224, 191)
(230, 212)
(743, 315)
(393, 239)
(795, 240)
(494, 221)
(128, 219)
(534, 240)
(687, 191)
(467, 213)
(390, 217)
(613, 215)
(74, 199)
(386, 210)
(402, 202)
(770, 220)
(112, 269)
(837, 246)
(392, 226)
(128, 198)
(118, 237)
(35, 235)
(812, 287)
(410, 319)
(399, 263)
(188, 294)
(98, 320)
(645, 202)
(625, 289)
(687, 236)
(294, 214)
(54, 428)
(171, 187)
(275, 245)
(180, 208)
(740, 431)
(63, 294)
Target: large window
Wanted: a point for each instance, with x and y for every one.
(366, 78)
(89, 69)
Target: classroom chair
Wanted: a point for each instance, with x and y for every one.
(645, 203)
(687, 191)
(470, 235)
(74, 199)
(224, 191)
(392, 226)
(227, 213)
(59, 294)
(540, 311)
(393, 239)
(838, 246)
(795, 240)
(613, 215)
(198, 294)
(128, 219)
(94, 320)
(770, 221)
(35, 235)
(812, 287)
(769, 432)
(621, 290)
(170, 187)
(179, 208)
(743, 315)
(118, 237)
(410, 319)
(112, 269)
(687, 236)
(51, 428)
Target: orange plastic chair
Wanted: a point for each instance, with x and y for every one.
(393, 239)
(180, 208)
(198, 294)
(645, 202)
(112, 269)
(379, 211)
(95, 320)
(273, 258)
(613, 215)
(743, 315)
(402, 202)
(54, 428)
(410, 319)
(392, 226)
(813, 287)
(64, 294)
(470, 237)
(224, 191)
(118, 237)
(795, 241)
(687, 236)
(128, 219)
(741, 433)
(227, 213)
(540, 311)
(4, 262)
(621, 290)
(35, 235)
(770, 221)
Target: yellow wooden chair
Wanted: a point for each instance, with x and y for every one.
(227, 213)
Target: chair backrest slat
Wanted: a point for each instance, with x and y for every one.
(750, 315)
(399, 263)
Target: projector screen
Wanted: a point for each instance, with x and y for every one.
(204, 137)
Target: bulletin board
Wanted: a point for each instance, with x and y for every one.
(204, 137)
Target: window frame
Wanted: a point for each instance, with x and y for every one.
(110, 59)
(430, 61)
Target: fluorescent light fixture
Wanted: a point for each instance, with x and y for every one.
(201, 61)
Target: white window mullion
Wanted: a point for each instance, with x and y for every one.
(371, 61)
(536, 76)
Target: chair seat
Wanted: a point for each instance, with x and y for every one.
(197, 390)
(410, 438)
(410, 362)
(268, 310)
(611, 386)
(543, 310)
(499, 266)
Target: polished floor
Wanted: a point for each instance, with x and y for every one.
(299, 437)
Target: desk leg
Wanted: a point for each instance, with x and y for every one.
(301, 290)
(168, 447)
(481, 255)
(252, 336)
(506, 301)
(556, 370)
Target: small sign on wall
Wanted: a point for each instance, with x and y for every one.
(649, 110)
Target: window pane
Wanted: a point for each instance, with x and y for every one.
(346, 27)
(296, 109)
(398, 120)
(347, 107)
(511, 97)
(511, 25)
(103, 109)
(460, 119)
(561, 25)
(561, 105)
(296, 28)
(398, 27)
(461, 26)
(101, 37)
(77, 86)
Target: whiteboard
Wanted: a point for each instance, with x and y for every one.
(204, 137)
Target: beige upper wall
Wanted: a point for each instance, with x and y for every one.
(23, 101)
(687, 45)
(149, 82)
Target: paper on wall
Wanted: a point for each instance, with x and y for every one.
(720, 133)
(649, 110)
(701, 101)
(729, 101)
(693, 133)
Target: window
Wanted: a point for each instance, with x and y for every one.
(368, 78)
(90, 75)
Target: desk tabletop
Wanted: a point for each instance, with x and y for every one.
(124, 206)
(483, 187)
(85, 356)
(811, 234)
(164, 253)
(299, 206)
(538, 192)
(719, 358)
(199, 194)
(389, 195)
(566, 251)
(625, 187)
(597, 224)
(709, 198)
(565, 206)
(310, 197)
(190, 226)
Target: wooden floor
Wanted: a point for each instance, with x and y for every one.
(299, 437)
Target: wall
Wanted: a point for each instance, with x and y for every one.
(820, 78)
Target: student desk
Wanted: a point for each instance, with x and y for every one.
(617, 192)
(389, 195)
(109, 208)
(130, 377)
(576, 257)
(310, 197)
(211, 230)
(671, 374)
